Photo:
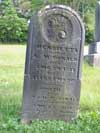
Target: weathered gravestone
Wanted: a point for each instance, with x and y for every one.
(53, 65)
(93, 57)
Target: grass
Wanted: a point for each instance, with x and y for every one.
(90, 94)
(12, 58)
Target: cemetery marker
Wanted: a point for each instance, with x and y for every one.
(93, 58)
(54, 54)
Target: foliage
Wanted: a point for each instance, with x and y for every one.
(11, 84)
(23, 8)
(78, 5)
(12, 28)
(89, 26)
(86, 123)
(13, 25)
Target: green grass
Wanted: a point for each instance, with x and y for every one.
(12, 58)
(90, 94)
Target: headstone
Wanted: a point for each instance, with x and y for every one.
(53, 65)
(93, 58)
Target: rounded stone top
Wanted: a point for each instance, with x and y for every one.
(65, 8)
(58, 23)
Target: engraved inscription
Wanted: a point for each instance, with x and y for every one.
(54, 62)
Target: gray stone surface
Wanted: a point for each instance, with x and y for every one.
(97, 26)
(54, 55)
(93, 57)
(94, 48)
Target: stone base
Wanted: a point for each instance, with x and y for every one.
(93, 59)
